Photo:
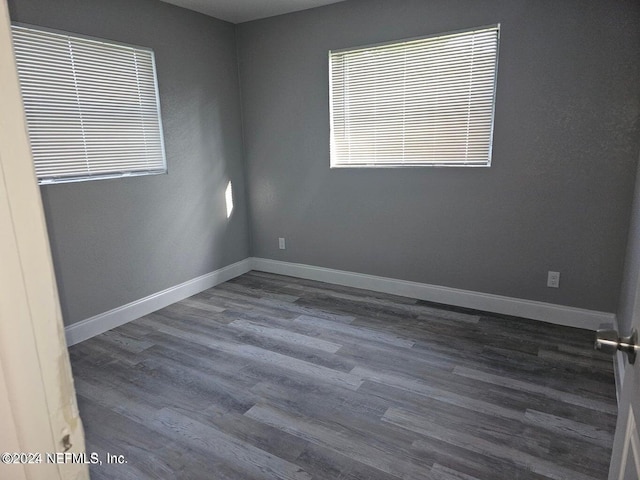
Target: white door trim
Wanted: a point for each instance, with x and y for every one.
(36, 383)
(632, 444)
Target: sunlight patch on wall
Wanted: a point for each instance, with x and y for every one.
(228, 196)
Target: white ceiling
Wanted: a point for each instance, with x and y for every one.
(238, 11)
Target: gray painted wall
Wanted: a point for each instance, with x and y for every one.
(630, 291)
(557, 196)
(116, 241)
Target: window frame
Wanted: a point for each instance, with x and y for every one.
(111, 175)
(332, 154)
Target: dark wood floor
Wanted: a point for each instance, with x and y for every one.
(270, 377)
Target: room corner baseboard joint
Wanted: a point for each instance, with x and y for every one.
(547, 312)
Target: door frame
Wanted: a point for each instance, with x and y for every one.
(37, 396)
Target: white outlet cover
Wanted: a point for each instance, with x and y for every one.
(553, 279)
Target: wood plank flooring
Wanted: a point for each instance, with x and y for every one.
(271, 377)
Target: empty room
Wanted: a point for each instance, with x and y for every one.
(319, 239)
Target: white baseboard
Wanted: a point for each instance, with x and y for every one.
(547, 312)
(85, 329)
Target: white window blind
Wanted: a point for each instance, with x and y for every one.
(92, 106)
(415, 103)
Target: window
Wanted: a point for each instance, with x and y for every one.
(424, 102)
(91, 105)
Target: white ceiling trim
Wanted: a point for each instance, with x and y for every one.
(238, 11)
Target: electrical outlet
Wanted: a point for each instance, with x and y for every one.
(281, 243)
(553, 279)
